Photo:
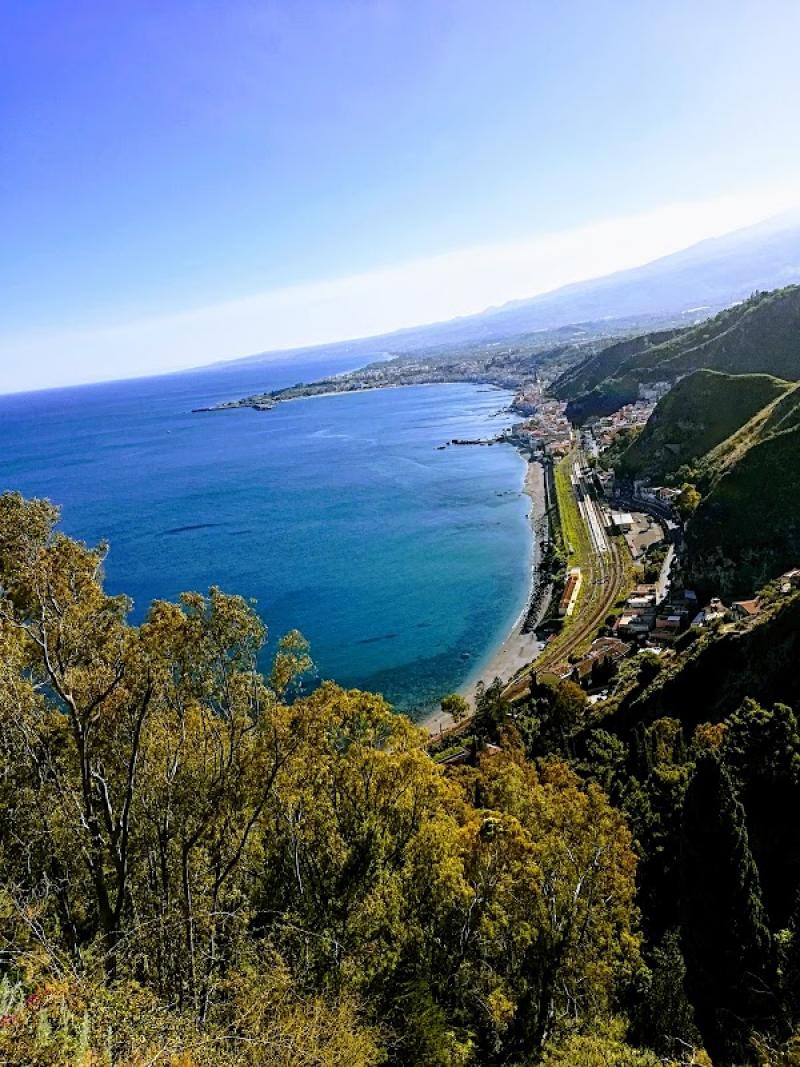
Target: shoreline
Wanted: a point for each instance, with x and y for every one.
(270, 403)
(520, 646)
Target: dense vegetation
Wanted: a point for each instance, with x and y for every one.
(746, 529)
(698, 414)
(596, 368)
(201, 865)
(701, 753)
(759, 336)
(733, 442)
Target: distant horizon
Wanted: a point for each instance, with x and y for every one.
(665, 225)
(188, 184)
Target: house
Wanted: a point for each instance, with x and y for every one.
(645, 589)
(622, 520)
(570, 595)
(745, 609)
(640, 603)
(603, 654)
(635, 623)
(643, 598)
(667, 628)
(790, 580)
(712, 612)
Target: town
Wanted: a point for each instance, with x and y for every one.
(655, 612)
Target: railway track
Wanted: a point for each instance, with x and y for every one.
(606, 577)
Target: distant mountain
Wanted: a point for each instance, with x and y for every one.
(693, 283)
(706, 277)
(760, 335)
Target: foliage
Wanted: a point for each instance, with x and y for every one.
(455, 706)
(722, 530)
(687, 501)
(700, 412)
(757, 336)
(202, 865)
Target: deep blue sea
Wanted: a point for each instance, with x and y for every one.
(402, 564)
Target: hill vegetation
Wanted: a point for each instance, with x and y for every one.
(702, 411)
(202, 865)
(595, 369)
(731, 440)
(760, 335)
(747, 526)
(701, 752)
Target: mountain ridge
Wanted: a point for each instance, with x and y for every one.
(703, 278)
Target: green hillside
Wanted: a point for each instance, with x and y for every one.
(698, 414)
(715, 674)
(747, 527)
(760, 335)
(594, 370)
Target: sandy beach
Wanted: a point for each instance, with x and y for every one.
(518, 648)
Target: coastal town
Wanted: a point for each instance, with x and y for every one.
(609, 579)
(650, 607)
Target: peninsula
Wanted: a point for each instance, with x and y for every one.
(507, 363)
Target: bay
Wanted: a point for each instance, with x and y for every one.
(403, 564)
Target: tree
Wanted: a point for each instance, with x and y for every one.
(455, 706)
(604, 1047)
(761, 750)
(725, 940)
(202, 863)
(564, 939)
(687, 501)
(665, 1020)
(141, 760)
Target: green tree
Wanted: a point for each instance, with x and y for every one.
(455, 706)
(687, 501)
(725, 940)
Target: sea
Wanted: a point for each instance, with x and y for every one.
(402, 563)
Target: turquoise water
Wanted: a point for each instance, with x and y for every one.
(402, 564)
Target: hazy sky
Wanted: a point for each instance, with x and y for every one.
(188, 181)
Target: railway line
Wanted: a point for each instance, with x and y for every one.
(605, 577)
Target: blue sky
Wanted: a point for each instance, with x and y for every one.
(162, 159)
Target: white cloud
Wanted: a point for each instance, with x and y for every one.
(427, 290)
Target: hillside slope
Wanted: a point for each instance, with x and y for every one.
(596, 368)
(747, 527)
(761, 335)
(712, 678)
(701, 412)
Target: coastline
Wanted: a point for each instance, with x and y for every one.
(520, 646)
(269, 402)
